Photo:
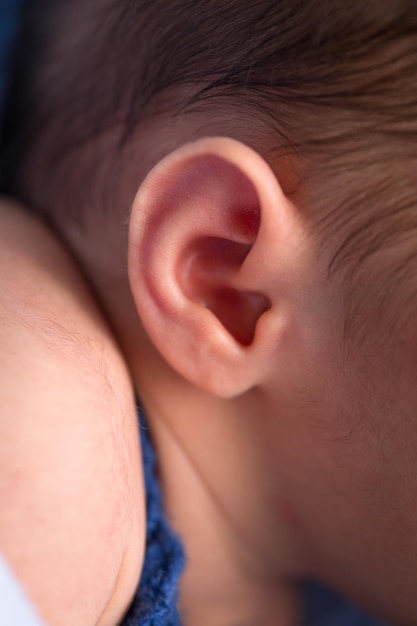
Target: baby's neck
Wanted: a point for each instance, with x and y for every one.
(220, 586)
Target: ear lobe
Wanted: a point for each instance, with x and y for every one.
(198, 267)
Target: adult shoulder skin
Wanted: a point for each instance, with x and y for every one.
(72, 517)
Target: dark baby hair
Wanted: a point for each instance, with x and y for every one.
(330, 82)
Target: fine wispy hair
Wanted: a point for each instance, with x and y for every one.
(334, 83)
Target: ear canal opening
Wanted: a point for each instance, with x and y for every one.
(238, 311)
(208, 273)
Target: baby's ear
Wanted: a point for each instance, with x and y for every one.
(214, 248)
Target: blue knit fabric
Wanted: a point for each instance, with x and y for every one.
(323, 607)
(156, 600)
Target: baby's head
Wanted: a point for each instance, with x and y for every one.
(272, 247)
